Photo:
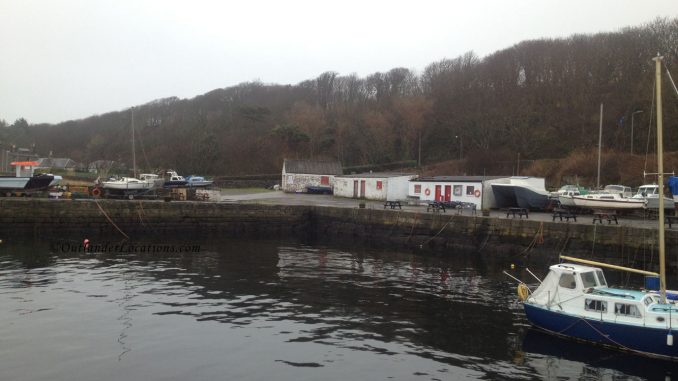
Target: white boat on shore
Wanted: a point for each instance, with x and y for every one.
(566, 192)
(128, 183)
(617, 197)
(607, 201)
(25, 179)
(650, 193)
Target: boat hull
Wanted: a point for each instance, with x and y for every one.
(504, 195)
(200, 184)
(653, 203)
(529, 199)
(33, 183)
(125, 185)
(616, 204)
(642, 340)
(13, 182)
(566, 201)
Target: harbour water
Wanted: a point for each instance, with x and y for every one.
(260, 310)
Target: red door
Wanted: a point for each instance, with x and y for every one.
(448, 192)
(355, 188)
(439, 196)
(362, 188)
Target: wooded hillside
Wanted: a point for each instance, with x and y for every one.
(537, 99)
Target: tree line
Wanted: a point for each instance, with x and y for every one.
(537, 99)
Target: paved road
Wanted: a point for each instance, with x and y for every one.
(281, 198)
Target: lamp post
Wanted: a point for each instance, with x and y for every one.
(632, 115)
(461, 147)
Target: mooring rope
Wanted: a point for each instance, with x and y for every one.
(538, 239)
(440, 231)
(414, 222)
(109, 219)
(390, 233)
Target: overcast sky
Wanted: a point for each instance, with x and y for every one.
(62, 60)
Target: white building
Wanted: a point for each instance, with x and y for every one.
(470, 189)
(299, 175)
(373, 186)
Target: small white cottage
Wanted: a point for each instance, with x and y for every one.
(299, 175)
(384, 186)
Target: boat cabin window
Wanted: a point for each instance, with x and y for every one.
(595, 305)
(567, 281)
(589, 279)
(648, 300)
(601, 278)
(624, 309)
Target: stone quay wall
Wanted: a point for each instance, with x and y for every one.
(517, 239)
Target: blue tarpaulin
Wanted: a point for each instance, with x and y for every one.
(673, 185)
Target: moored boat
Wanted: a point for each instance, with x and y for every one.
(575, 301)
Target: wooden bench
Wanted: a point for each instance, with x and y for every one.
(436, 207)
(392, 204)
(671, 220)
(600, 215)
(564, 213)
(520, 212)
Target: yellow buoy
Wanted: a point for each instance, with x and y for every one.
(523, 292)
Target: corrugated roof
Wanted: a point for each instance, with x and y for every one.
(313, 167)
(459, 179)
(371, 175)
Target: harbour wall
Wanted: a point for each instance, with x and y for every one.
(513, 239)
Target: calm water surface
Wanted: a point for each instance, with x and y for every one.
(252, 310)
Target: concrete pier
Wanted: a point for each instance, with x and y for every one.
(418, 230)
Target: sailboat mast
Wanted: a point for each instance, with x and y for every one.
(660, 178)
(600, 143)
(134, 151)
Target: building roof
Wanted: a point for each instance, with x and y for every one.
(49, 162)
(372, 175)
(458, 179)
(313, 167)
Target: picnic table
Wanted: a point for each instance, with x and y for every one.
(609, 215)
(520, 212)
(392, 204)
(467, 205)
(670, 220)
(436, 207)
(564, 213)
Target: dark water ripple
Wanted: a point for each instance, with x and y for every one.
(260, 310)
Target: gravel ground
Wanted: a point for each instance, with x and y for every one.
(281, 198)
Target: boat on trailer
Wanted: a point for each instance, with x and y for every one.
(25, 180)
(575, 301)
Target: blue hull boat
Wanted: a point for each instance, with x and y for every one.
(648, 341)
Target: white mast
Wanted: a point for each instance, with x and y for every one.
(660, 179)
(600, 143)
(134, 151)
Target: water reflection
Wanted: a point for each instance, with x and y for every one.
(259, 310)
(554, 357)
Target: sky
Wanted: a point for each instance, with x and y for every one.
(70, 59)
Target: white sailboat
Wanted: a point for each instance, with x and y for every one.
(575, 301)
(147, 181)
